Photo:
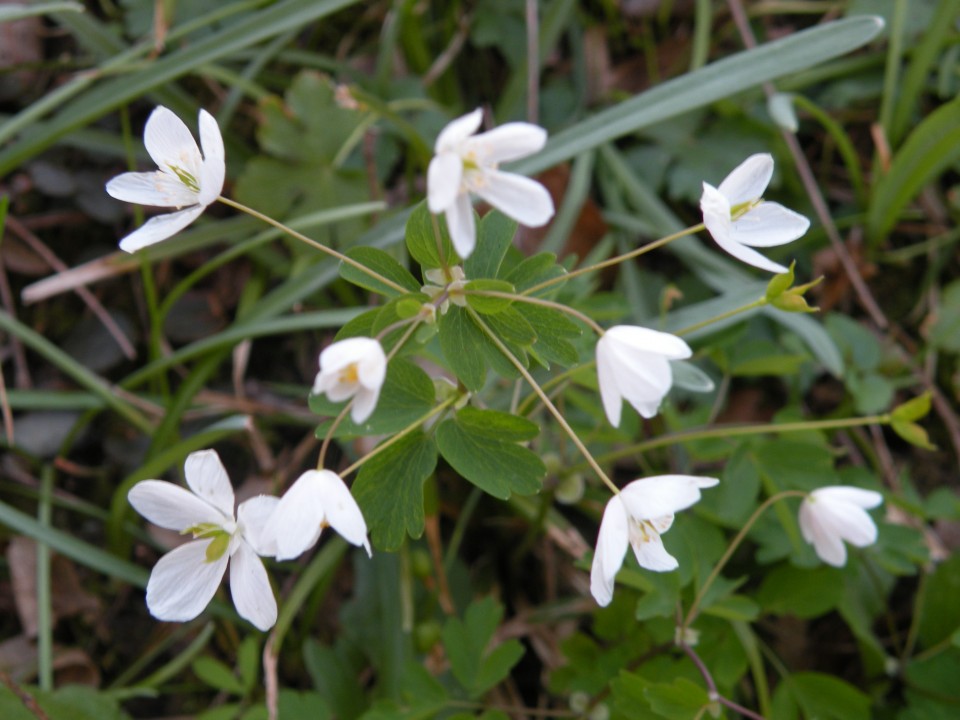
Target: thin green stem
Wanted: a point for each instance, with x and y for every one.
(727, 431)
(543, 303)
(758, 303)
(400, 435)
(44, 594)
(312, 243)
(715, 573)
(588, 456)
(414, 322)
(438, 236)
(616, 260)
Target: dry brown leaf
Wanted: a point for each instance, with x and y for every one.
(67, 595)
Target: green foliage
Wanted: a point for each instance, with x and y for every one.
(389, 489)
(467, 643)
(381, 263)
(422, 239)
(303, 136)
(482, 446)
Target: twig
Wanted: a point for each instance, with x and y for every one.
(810, 185)
(533, 62)
(49, 257)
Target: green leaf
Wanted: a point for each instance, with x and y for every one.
(18, 11)
(395, 310)
(494, 237)
(931, 148)
(945, 329)
(535, 270)
(381, 263)
(217, 675)
(466, 642)
(389, 489)
(407, 395)
(421, 239)
(913, 434)
(485, 304)
(939, 616)
(553, 329)
(77, 104)
(481, 445)
(70, 702)
(301, 137)
(819, 696)
(716, 81)
(788, 590)
(461, 340)
(679, 700)
(780, 283)
(248, 662)
(914, 409)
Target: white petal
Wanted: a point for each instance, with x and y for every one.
(508, 142)
(253, 516)
(516, 196)
(606, 377)
(342, 353)
(183, 582)
(661, 495)
(372, 366)
(612, 544)
(364, 403)
(644, 379)
(340, 509)
(748, 180)
(153, 188)
(827, 543)
(160, 227)
(214, 168)
(171, 506)
(250, 588)
(767, 225)
(846, 494)
(716, 213)
(170, 143)
(652, 555)
(296, 523)
(460, 223)
(457, 131)
(748, 255)
(647, 340)
(207, 477)
(444, 176)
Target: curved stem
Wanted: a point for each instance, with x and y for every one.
(758, 303)
(328, 438)
(546, 400)
(400, 435)
(618, 259)
(312, 243)
(543, 303)
(725, 431)
(715, 573)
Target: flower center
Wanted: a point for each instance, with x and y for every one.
(185, 177)
(738, 211)
(349, 375)
(219, 538)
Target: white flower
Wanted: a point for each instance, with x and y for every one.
(186, 180)
(830, 515)
(318, 499)
(637, 516)
(355, 367)
(467, 163)
(633, 365)
(185, 579)
(738, 217)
